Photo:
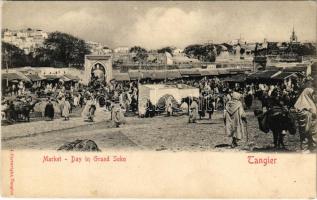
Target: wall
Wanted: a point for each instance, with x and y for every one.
(91, 60)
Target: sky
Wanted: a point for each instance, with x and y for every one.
(158, 24)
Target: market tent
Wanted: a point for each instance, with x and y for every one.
(34, 77)
(262, 75)
(64, 78)
(190, 73)
(173, 74)
(239, 78)
(52, 77)
(11, 76)
(208, 72)
(72, 77)
(223, 72)
(15, 77)
(302, 69)
(158, 75)
(285, 75)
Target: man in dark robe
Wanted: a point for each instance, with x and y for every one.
(248, 100)
(49, 110)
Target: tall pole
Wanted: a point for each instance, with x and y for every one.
(7, 67)
(165, 72)
(139, 74)
(138, 86)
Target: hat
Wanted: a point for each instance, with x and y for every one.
(236, 95)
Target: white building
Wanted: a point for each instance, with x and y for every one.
(97, 48)
(121, 50)
(177, 51)
(26, 39)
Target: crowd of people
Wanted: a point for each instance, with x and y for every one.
(215, 94)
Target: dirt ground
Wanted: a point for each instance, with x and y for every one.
(160, 133)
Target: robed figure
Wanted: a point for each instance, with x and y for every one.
(49, 110)
(117, 115)
(307, 122)
(193, 111)
(234, 116)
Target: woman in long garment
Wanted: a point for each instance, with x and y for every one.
(234, 116)
(76, 100)
(193, 111)
(66, 109)
(169, 106)
(306, 112)
(117, 116)
(49, 110)
(89, 109)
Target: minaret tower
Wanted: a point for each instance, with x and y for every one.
(293, 38)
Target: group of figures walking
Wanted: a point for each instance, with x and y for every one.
(285, 108)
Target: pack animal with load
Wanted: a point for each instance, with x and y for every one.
(278, 120)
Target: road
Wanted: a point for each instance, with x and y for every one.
(160, 133)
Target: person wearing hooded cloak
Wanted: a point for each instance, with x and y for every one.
(65, 108)
(169, 106)
(49, 110)
(234, 116)
(89, 109)
(306, 113)
(193, 111)
(117, 115)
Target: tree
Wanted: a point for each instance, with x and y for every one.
(206, 53)
(140, 54)
(305, 49)
(61, 49)
(218, 49)
(228, 46)
(166, 49)
(13, 56)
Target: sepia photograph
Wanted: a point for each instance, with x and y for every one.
(161, 77)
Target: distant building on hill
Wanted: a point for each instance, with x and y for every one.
(26, 39)
(98, 48)
(121, 50)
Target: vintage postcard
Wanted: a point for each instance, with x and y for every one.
(158, 99)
